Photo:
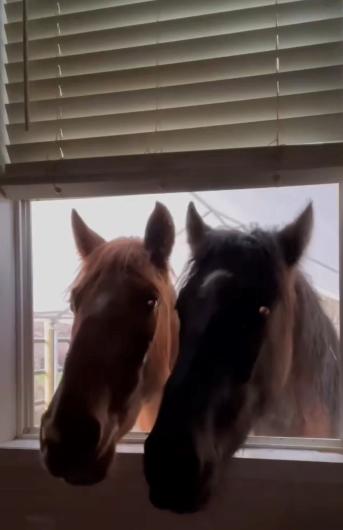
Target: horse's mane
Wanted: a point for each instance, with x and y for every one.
(122, 255)
(316, 348)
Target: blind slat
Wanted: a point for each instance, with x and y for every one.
(249, 65)
(40, 9)
(170, 53)
(320, 79)
(291, 131)
(148, 121)
(138, 76)
(169, 31)
(145, 34)
(243, 89)
(176, 52)
(182, 118)
(167, 97)
(147, 12)
(145, 78)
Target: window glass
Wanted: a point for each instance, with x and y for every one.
(56, 262)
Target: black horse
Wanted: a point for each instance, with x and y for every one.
(256, 352)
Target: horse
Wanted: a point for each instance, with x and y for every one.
(124, 342)
(256, 352)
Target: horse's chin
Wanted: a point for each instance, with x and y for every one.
(177, 505)
(80, 479)
(89, 474)
(88, 477)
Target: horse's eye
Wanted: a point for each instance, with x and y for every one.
(152, 302)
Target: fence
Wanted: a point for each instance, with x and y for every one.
(52, 331)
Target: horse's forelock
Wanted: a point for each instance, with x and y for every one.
(121, 255)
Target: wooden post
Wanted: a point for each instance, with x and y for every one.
(51, 343)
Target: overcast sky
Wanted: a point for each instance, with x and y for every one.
(55, 261)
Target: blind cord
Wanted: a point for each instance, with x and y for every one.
(59, 132)
(277, 68)
(26, 69)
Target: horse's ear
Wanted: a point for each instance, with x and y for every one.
(195, 227)
(159, 235)
(86, 239)
(294, 238)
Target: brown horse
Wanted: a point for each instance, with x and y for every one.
(124, 342)
(257, 352)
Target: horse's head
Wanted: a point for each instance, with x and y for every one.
(236, 319)
(120, 300)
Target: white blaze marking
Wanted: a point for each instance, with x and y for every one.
(100, 303)
(215, 275)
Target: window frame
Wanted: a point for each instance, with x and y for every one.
(286, 177)
(283, 165)
(24, 317)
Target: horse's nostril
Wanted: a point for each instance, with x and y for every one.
(85, 433)
(78, 436)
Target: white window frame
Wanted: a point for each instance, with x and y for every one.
(293, 165)
(24, 318)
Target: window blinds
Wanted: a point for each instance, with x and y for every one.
(121, 77)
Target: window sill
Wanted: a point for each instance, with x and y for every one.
(247, 453)
(262, 488)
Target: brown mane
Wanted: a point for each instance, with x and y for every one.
(309, 402)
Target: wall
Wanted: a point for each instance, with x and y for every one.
(263, 495)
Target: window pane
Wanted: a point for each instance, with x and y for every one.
(111, 217)
(62, 349)
(40, 383)
(39, 354)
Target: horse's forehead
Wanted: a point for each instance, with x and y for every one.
(115, 272)
(120, 259)
(242, 254)
(215, 276)
(238, 245)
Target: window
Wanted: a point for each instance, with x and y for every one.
(156, 96)
(51, 230)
